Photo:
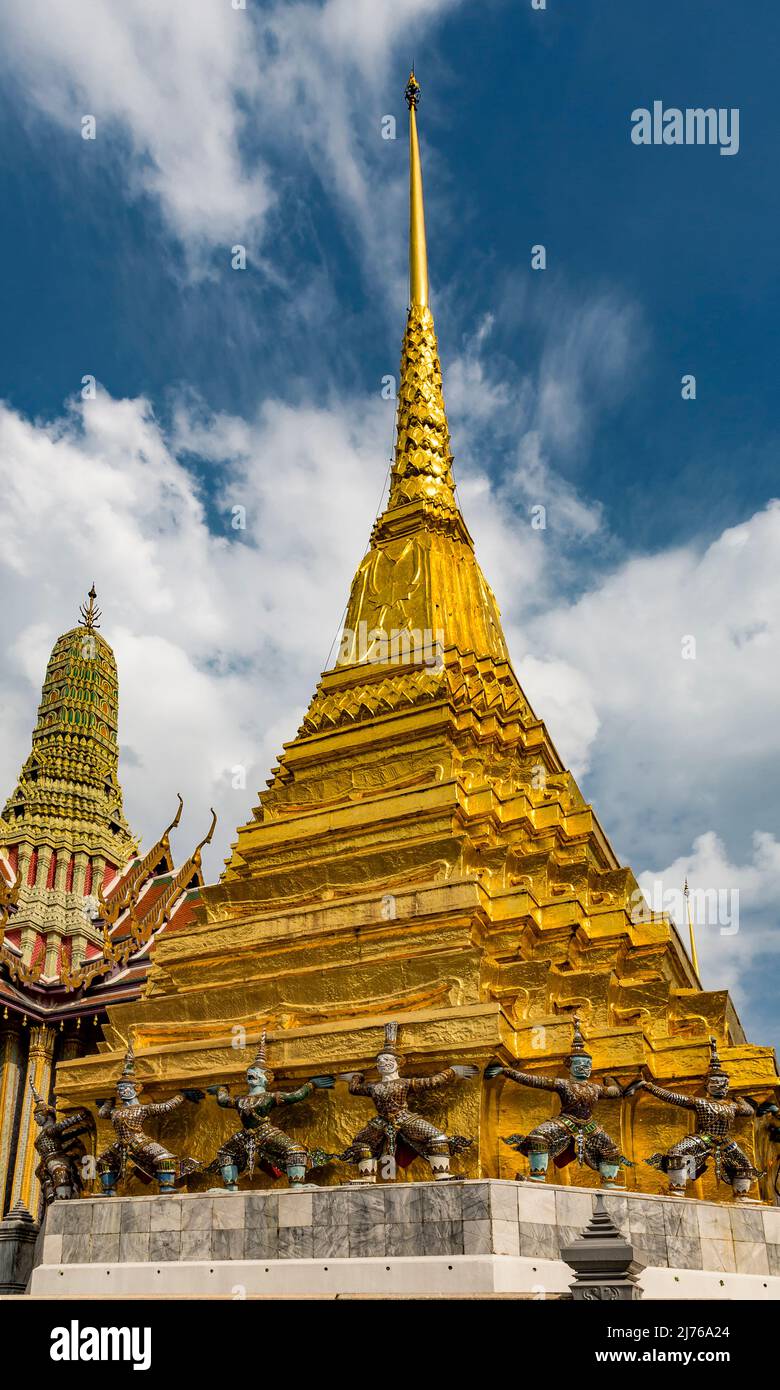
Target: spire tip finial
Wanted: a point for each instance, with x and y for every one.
(89, 614)
(418, 255)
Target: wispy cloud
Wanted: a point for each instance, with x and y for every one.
(208, 109)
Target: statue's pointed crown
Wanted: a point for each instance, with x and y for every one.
(390, 1043)
(40, 1102)
(260, 1058)
(715, 1067)
(128, 1066)
(578, 1048)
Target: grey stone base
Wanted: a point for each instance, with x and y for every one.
(425, 1237)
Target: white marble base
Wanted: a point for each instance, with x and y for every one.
(391, 1276)
(433, 1275)
(698, 1283)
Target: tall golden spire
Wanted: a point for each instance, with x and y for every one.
(420, 574)
(418, 251)
(421, 470)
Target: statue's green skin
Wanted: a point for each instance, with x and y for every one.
(264, 1100)
(257, 1081)
(580, 1069)
(257, 1085)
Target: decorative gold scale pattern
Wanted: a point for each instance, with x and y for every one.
(423, 459)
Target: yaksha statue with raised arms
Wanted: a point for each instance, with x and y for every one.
(397, 1134)
(132, 1144)
(59, 1148)
(258, 1142)
(715, 1118)
(573, 1134)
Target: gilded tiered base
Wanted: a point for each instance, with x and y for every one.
(426, 859)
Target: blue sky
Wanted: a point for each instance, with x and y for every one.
(262, 387)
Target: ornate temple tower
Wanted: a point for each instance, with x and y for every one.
(422, 854)
(63, 828)
(72, 890)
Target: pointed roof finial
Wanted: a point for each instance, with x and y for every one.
(421, 472)
(175, 822)
(691, 933)
(89, 615)
(206, 838)
(418, 253)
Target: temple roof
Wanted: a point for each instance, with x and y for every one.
(149, 897)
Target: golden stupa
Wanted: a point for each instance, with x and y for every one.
(422, 854)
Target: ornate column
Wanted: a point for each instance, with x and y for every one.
(44, 862)
(61, 871)
(78, 939)
(28, 938)
(25, 855)
(52, 953)
(79, 873)
(98, 870)
(78, 949)
(40, 1054)
(11, 1074)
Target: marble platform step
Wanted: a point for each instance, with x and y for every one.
(461, 1238)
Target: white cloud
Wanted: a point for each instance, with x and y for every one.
(170, 78)
(217, 104)
(681, 725)
(738, 925)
